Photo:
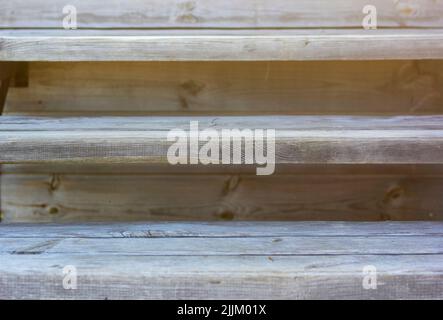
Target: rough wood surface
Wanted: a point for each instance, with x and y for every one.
(218, 45)
(375, 170)
(220, 13)
(201, 246)
(66, 194)
(221, 88)
(220, 230)
(212, 261)
(299, 139)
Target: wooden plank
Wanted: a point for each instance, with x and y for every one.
(227, 45)
(298, 139)
(220, 13)
(257, 229)
(222, 88)
(281, 246)
(302, 268)
(304, 124)
(73, 193)
(331, 170)
(242, 277)
(139, 196)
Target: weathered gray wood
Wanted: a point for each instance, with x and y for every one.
(243, 277)
(276, 87)
(227, 45)
(271, 229)
(227, 246)
(299, 139)
(254, 269)
(399, 125)
(219, 13)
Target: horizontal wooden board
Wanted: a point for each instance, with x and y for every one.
(298, 139)
(241, 277)
(297, 266)
(271, 229)
(217, 45)
(315, 194)
(411, 170)
(281, 246)
(305, 124)
(326, 87)
(219, 13)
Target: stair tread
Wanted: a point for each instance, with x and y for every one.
(254, 260)
(298, 139)
(221, 14)
(228, 45)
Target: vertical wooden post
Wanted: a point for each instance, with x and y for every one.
(7, 70)
(4, 85)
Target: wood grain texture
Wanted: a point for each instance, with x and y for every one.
(220, 13)
(208, 230)
(161, 169)
(316, 194)
(217, 45)
(282, 246)
(298, 139)
(260, 264)
(222, 88)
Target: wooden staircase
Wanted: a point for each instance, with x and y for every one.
(85, 179)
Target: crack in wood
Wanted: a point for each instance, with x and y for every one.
(38, 248)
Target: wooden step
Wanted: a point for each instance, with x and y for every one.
(291, 260)
(203, 45)
(298, 139)
(221, 13)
